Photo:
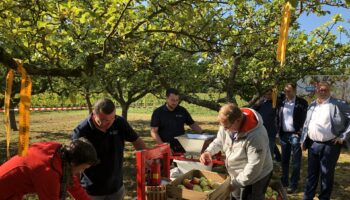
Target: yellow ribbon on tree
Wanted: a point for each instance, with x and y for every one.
(8, 91)
(24, 112)
(283, 38)
(274, 97)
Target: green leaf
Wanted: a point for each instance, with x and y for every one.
(41, 24)
(294, 3)
(83, 18)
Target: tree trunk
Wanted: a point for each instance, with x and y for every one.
(125, 109)
(88, 101)
(231, 81)
(13, 123)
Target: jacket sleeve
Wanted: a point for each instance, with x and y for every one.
(345, 110)
(278, 118)
(217, 144)
(77, 191)
(257, 155)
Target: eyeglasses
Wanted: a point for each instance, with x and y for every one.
(227, 127)
(323, 90)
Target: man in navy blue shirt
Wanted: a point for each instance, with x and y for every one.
(168, 121)
(108, 133)
(268, 114)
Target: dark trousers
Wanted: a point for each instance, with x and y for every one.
(322, 159)
(277, 154)
(290, 146)
(176, 147)
(272, 144)
(255, 191)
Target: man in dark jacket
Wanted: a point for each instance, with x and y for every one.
(268, 114)
(290, 119)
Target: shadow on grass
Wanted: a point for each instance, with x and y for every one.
(142, 127)
(3, 151)
(39, 136)
(129, 170)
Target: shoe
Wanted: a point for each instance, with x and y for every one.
(291, 190)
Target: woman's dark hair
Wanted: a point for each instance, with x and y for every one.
(80, 151)
(105, 106)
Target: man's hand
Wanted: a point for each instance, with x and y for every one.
(206, 158)
(338, 141)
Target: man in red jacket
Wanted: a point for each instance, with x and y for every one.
(49, 170)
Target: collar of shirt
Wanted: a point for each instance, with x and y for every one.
(292, 101)
(91, 123)
(233, 135)
(324, 102)
(93, 126)
(165, 108)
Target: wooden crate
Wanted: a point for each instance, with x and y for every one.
(221, 193)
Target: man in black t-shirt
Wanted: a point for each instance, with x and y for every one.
(108, 133)
(168, 121)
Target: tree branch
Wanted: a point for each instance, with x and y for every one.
(200, 102)
(9, 62)
(112, 33)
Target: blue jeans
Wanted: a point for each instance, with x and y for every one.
(322, 159)
(290, 144)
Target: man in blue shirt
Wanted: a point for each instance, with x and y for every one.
(108, 133)
(168, 121)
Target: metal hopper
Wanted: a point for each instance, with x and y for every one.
(195, 143)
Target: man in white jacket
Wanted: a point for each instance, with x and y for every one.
(244, 140)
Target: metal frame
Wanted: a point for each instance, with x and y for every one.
(160, 151)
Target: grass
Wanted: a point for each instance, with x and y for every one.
(57, 126)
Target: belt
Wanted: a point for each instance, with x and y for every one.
(325, 142)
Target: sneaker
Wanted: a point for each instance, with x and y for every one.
(291, 190)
